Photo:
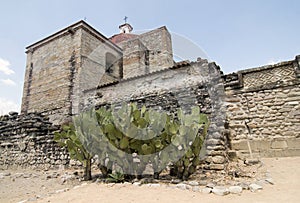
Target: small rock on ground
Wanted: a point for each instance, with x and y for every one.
(220, 191)
(245, 186)
(193, 183)
(5, 174)
(196, 189)
(235, 189)
(154, 185)
(210, 185)
(181, 186)
(206, 190)
(137, 183)
(254, 187)
(176, 181)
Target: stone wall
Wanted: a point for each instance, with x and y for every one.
(47, 84)
(27, 141)
(61, 66)
(91, 66)
(159, 45)
(263, 110)
(135, 58)
(147, 52)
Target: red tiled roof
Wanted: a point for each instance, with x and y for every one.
(122, 37)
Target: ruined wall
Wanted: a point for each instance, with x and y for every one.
(27, 141)
(263, 110)
(184, 85)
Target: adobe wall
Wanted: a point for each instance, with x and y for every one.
(263, 110)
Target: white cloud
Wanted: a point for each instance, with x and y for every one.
(6, 106)
(8, 82)
(4, 67)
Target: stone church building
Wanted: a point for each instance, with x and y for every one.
(253, 112)
(61, 67)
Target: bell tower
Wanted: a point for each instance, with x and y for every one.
(125, 28)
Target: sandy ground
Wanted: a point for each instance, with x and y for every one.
(284, 171)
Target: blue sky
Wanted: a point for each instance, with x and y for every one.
(236, 34)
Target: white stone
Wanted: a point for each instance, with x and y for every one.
(181, 186)
(235, 189)
(137, 184)
(206, 190)
(254, 187)
(196, 189)
(210, 185)
(193, 183)
(220, 191)
(5, 174)
(154, 185)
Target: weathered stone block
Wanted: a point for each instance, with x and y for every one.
(279, 144)
(260, 145)
(239, 145)
(293, 143)
(218, 159)
(215, 167)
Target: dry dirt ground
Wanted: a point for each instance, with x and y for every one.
(38, 186)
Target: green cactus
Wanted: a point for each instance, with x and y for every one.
(144, 132)
(192, 123)
(68, 138)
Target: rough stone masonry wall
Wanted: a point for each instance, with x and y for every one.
(159, 45)
(60, 67)
(90, 67)
(27, 141)
(135, 59)
(263, 110)
(147, 52)
(49, 71)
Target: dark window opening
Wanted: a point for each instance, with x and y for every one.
(110, 61)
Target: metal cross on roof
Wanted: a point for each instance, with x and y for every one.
(125, 19)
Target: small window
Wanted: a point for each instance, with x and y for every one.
(110, 61)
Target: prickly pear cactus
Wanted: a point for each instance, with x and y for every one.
(69, 138)
(129, 138)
